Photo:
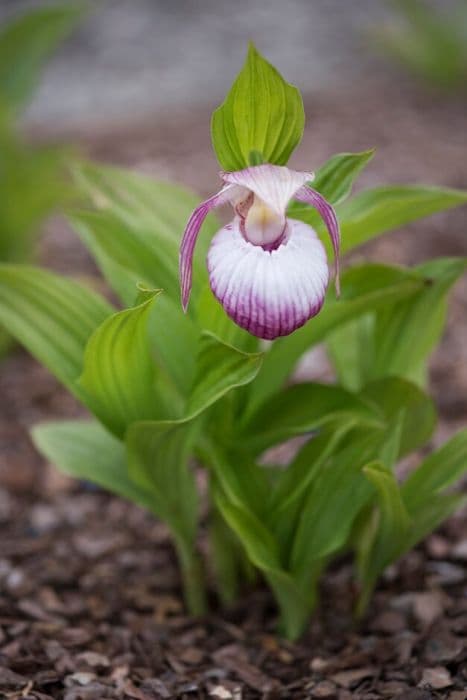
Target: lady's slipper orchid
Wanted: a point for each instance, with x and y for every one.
(269, 272)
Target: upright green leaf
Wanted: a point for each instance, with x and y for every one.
(262, 551)
(300, 409)
(261, 119)
(134, 224)
(158, 454)
(119, 375)
(52, 317)
(337, 494)
(220, 368)
(26, 43)
(334, 180)
(398, 339)
(391, 532)
(437, 472)
(399, 400)
(364, 288)
(406, 333)
(373, 212)
(85, 450)
(32, 186)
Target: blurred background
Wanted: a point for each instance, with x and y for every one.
(134, 82)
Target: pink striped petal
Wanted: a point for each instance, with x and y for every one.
(310, 196)
(274, 184)
(190, 237)
(269, 293)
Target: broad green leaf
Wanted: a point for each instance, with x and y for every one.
(242, 481)
(219, 369)
(261, 119)
(85, 450)
(32, 187)
(119, 375)
(437, 472)
(391, 532)
(398, 339)
(52, 317)
(428, 42)
(427, 516)
(136, 223)
(262, 550)
(406, 333)
(295, 480)
(334, 180)
(364, 288)
(373, 212)
(158, 453)
(351, 350)
(300, 409)
(400, 400)
(171, 331)
(337, 494)
(26, 43)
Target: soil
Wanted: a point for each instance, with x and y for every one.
(90, 606)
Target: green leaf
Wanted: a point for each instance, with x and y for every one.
(437, 472)
(158, 454)
(32, 187)
(406, 333)
(262, 551)
(375, 211)
(135, 225)
(334, 180)
(220, 368)
(134, 230)
(52, 317)
(351, 350)
(85, 450)
(391, 532)
(364, 288)
(294, 481)
(26, 43)
(119, 375)
(398, 339)
(300, 409)
(431, 513)
(398, 399)
(336, 496)
(429, 43)
(261, 119)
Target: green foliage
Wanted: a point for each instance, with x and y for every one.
(32, 184)
(261, 119)
(174, 393)
(375, 211)
(26, 43)
(397, 340)
(427, 41)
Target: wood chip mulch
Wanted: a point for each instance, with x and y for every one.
(90, 609)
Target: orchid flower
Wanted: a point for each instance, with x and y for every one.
(269, 272)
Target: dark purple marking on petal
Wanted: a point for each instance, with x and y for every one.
(269, 293)
(315, 199)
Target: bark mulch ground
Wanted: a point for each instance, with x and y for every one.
(90, 606)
